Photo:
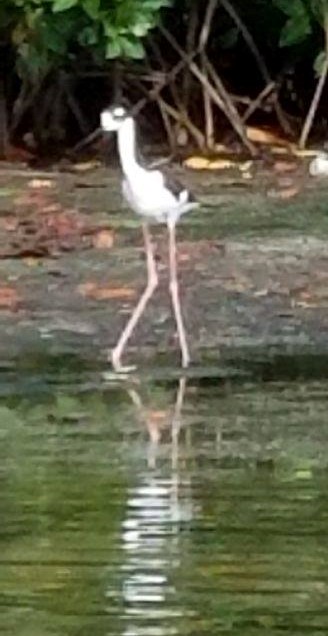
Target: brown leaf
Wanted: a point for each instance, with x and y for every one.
(13, 153)
(222, 164)
(40, 183)
(52, 208)
(103, 239)
(284, 166)
(64, 224)
(9, 223)
(9, 298)
(98, 292)
(264, 136)
(85, 166)
(157, 415)
(197, 163)
(284, 193)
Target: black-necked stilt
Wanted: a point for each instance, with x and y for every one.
(154, 197)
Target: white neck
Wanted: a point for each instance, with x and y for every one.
(127, 147)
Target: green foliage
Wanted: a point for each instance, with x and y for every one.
(298, 25)
(48, 34)
(302, 16)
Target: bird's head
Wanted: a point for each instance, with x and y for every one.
(112, 118)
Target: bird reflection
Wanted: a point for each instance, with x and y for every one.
(159, 505)
(157, 421)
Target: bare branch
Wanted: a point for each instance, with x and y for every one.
(231, 113)
(318, 91)
(259, 60)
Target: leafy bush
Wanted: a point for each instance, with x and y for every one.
(50, 33)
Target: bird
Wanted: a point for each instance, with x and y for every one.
(153, 197)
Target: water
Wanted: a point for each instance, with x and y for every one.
(157, 509)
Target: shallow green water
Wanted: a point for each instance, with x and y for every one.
(219, 526)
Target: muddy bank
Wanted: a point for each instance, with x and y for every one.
(253, 270)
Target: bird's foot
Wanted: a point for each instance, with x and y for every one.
(185, 360)
(118, 367)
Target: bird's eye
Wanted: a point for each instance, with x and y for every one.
(119, 112)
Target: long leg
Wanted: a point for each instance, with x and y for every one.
(152, 282)
(174, 290)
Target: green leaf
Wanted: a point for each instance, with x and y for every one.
(132, 48)
(63, 5)
(296, 29)
(294, 32)
(229, 38)
(140, 29)
(113, 49)
(319, 8)
(319, 62)
(287, 6)
(88, 36)
(91, 7)
(109, 29)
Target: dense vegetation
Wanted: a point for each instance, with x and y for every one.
(198, 62)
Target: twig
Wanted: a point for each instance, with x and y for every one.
(206, 28)
(208, 111)
(255, 104)
(229, 108)
(203, 39)
(183, 118)
(3, 120)
(167, 124)
(259, 60)
(22, 103)
(317, 93)
(73, 105)
(172, 85)
(230, 9)
(217, 99)
(86, 141)
(193, 19)
(140, 105)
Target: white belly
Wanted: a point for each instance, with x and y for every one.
(150, 199)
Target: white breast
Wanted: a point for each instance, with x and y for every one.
(147, 195)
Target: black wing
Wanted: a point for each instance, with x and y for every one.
(176, 187)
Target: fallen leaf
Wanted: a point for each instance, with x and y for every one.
(103, 240)
(266, 137)
(40, 183)
(284, 166)
(279, 150)
(9, 223)
(31, 261)
(98, 292)
(158, 415)
(9, 298)
(52, 208)
(245, 166)
(284, 193)
(306, 152)
(65, 223)
(86, 165)
(13, 153)
(305, 304)
(222, 149)
(197, 163)
(221, 164)
(260, 293)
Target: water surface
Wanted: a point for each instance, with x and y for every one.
(154, 508)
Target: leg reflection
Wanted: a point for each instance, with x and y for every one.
(156, 421)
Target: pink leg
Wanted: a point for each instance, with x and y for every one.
(174, 290)
(152, 283)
